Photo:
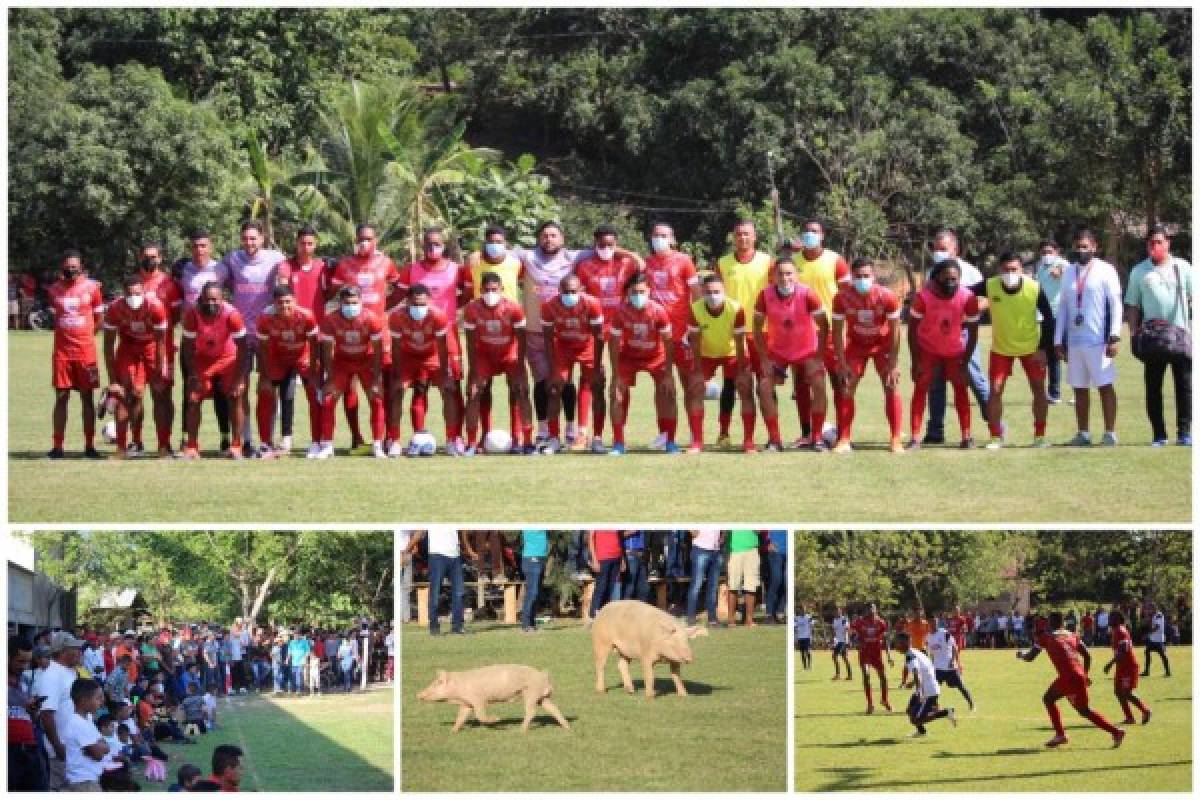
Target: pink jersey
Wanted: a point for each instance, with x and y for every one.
(444, 284)
(941, 320)
(791, 332)
(253, 279)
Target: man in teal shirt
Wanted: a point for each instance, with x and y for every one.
(297, 650)
(534, 549)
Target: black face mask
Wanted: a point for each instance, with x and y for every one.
(149, 264)
(209, 308)
(1082, 257)
(948, 286)
(72, 273)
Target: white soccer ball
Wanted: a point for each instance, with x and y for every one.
(497, 441)
(425, 443)
(829, 435)
(108, 431)
(712, 390)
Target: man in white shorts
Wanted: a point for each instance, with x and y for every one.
(804, 636)
(1086, 334)
(841, 644)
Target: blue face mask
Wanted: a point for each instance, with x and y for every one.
(810, 240)
(863, 285)
(660, 244)
(494, 249)
(350, 310)
(638, 300)
(570, 299)
(418, 312)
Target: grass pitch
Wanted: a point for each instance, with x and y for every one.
(999, 747)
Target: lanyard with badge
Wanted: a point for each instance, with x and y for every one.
(1080, 281)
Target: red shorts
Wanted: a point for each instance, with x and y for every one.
(565, 361)
(279, 372)
(684, 359)
(224, 371)
(343, 374)
(1126, 680)
(951, 366)
(728, 366)
(1001, 366)
(135, 369)
(752, 355)
(829, 358)
(629, 370)
(73, 373)
(870, 658)
(781, 366)
(857, 360)
(1074, 688)
(487, 368)
(410, 369)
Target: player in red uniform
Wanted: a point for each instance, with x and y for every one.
(495, 328)
(573, 324)
(215, 359)
(420, 359)
(1126, 679)
(135, 353)
(158, 285)
(639, 340)
(958, 624)
(866, 327)
(870, 632)
(674, 285)
(309, 278)
(374, 274)
(1072, 660)
(288, 333)
(351, 349)
(78, 311)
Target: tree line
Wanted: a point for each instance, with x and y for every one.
(1006, 124)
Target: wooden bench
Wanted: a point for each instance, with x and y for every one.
(511, 598)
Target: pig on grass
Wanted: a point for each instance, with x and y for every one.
(639, 631)
(473, 689)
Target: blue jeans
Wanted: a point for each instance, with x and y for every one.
(706, 570)
(212, 677)
(277, 671)
(347, 675)
(636, 583)
(298, 678)
(441, 567)
(977, 381)
(607, 581)
(776, 583)
(676, 541)
(532, 569)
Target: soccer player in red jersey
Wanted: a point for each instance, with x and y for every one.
(1126, 679)
(216, 359)
(450, 287)
(870, 632)
(674, 285)
(866, 327)
(1072, 660)
(305, 273)
(351, 348)
(135, 353)
(573, 324)
(288, 335)
(957, 624)
(158, 285)
(420, 359)
(495, 328)
(78, 311)
(639, 340)
(794, 340)
(374, 273)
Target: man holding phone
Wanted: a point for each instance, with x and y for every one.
(26, 769)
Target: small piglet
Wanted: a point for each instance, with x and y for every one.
(473, 689)
(640, 631)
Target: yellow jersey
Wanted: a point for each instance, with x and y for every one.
(744, 282)
(1016, 329)
(820, 274)
(717, 332)
(509, 271)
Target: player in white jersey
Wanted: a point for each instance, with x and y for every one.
(943, 652)
(804, 626)
(1156, 641)
(841, 644)
(923, 705)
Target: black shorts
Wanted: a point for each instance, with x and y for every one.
(918, 708)
(804, 644)
(840, 648)
(950, 677)
(1156, 647)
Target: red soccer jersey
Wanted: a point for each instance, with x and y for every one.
(953, 624)
(870, 633)
(354, 340)
(136, 330)
(1063, 649)
(940, 320)
(287, 337)
(868, 317)
(417, 340)
(639, 333)
(446, 284)
(308, 282)
(1122, 645)
(371, 274)
(791, 332)
(214, 338)
(672, 275)
(574, 329)
(495, 328)
(605, 281)
(608, 545)
(76, 306)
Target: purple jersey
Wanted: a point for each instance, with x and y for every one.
(252, 280)
(193, 278)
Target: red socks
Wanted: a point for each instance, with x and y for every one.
(583, 407)
(894, 409)
(667, 425)
(618, 433)
(696, 425)
(1039, 428)
(328, 417)
(844, 404)
(772, 424)
(1055, 718)
(264, 410)
(420, 404)
(1100, 722)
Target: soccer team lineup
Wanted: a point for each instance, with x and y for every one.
(544, 318)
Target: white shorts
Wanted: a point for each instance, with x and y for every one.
(1089, 367)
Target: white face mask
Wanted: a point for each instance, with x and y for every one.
(715, 300)
(135, 301)
(606, 253)
(940, 255)
(1011, 280)
(491, 299)
(1049, 260)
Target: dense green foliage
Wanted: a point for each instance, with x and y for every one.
(1006, 124)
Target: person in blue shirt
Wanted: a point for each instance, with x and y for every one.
(534, 549)
(297, 652)
(635, 583)
(777, 545)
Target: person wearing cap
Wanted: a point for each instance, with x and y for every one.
(57, 709)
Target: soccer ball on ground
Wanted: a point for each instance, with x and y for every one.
(712, 390)
(497, 441)
(425, 443)
(829, 435)
(109, 431)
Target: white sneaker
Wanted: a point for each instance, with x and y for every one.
(598, 446)
(660, 442)
(572, 430)
(285, 444)
(414, 450)
(377, 450)
(457, 447)
(1109, 440)
(550, 447)
(314, 450)
(996, 443)
(326, 451)
(395, 450)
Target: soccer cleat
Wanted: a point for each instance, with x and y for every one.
(748, 446)
(166, 452)
(1146, 717)
(843, 447)
(996, 443)
(1118, 737)
(264, 451)
(469, 451)
(896, 446)
(93, 454)
(1040, 443)
(660, 442)
(224, 443)
(550, 446)
(580, 443)
(1129, 721)
(967, 443)
(1160, 443)
(1109, 439)
(326, 451)
(913, 444)
(1185, 440)
(314, 450)
(918, 734)
(235, 454)
(802, 442)
(695, 448)
(56, 453)
(189, 454)
(724, 442)
(953, 718)
(598, 446)
(285, 445)
(773, 447)
(377, 450)
(1053, 399)
(529, 450)
(1081, 439)
(933, 438)
(618, 449)
(136, 450)
(396, 450)
(1056, 741)
(886, 704)
(819, 446)
(672, 449)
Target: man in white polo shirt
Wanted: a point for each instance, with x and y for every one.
(54, 683)
(446, 546)
(1086, 334)
(841, 644)
(1156, 641)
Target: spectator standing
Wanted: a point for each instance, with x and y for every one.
(605, 549)
(534, 550)
(634, 582)
(776, 598)
(743, 573)
(706, 571)
(446, 548)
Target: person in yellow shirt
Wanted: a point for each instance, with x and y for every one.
(494, 256)
(745, 273)
(717, 335)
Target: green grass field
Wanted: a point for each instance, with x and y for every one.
(330, 743)
(935, 485)
(999, 747)
(729, 734)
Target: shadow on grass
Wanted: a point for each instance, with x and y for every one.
(539, 721)
(1007, 751)
(831, 716)
(665, 687)
(854, 744)
(849, 779)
